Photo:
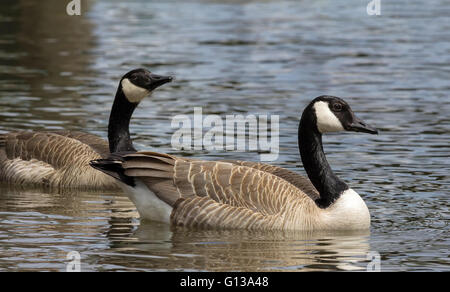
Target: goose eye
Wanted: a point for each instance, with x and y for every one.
(337, 107)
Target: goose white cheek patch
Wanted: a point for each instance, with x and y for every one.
(326, 120)
(132, 92)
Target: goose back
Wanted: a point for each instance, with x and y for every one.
(294, 178)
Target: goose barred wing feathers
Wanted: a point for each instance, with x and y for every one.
(294, 178)
(52, 159)
(216, 194)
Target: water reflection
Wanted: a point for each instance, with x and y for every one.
(157, 246)
(38, 229)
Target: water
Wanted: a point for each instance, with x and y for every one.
(234, 57)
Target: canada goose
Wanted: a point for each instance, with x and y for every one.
(223, 195)
(60, 159)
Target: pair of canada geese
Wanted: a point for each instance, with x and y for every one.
(190, 192)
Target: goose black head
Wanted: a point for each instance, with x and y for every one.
(333, 114)
(139, 83)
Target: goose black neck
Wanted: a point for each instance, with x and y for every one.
(329, 186)
(119, 124)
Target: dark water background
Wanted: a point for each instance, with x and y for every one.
(234, 57)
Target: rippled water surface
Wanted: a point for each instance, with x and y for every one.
(234, 57)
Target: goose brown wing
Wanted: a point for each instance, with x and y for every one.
(98, 144)
(218, 194)
(51, 148)
(294, 178)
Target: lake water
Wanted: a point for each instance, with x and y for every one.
(234, 57)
